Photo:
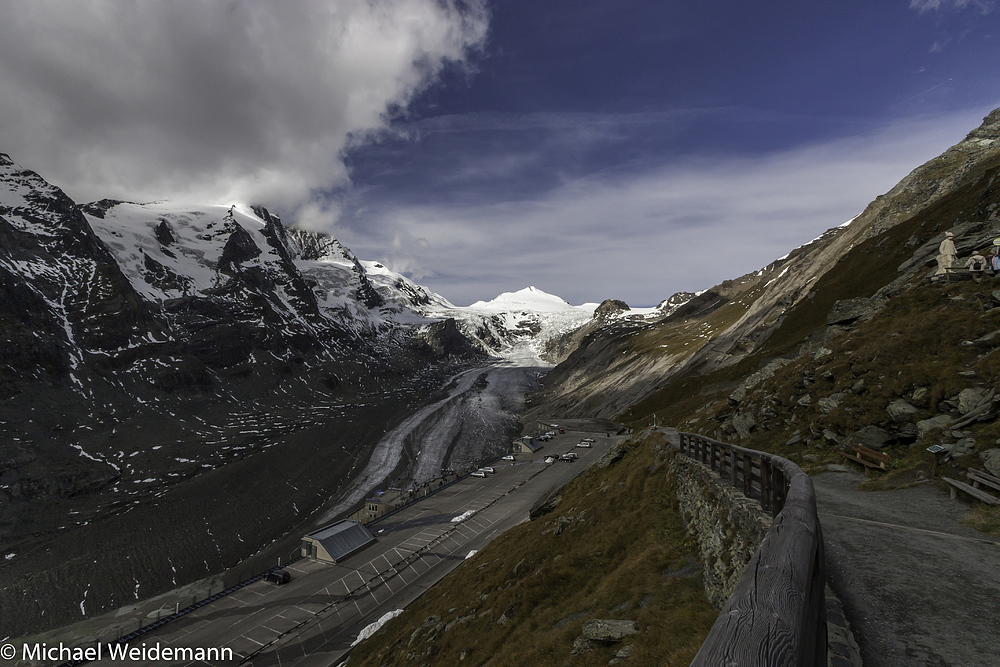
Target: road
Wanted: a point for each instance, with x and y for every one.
(313, 619)
(917, 587)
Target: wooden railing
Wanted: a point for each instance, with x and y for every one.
(776, 614)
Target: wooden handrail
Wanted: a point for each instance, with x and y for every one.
(776, 614)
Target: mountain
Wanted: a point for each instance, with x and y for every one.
(697, 363)
(210, 372)
(847, 339)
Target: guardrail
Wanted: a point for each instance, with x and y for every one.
(776, 614)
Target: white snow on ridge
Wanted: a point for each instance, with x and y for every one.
(528, 299)
(200, 234)
(513, 326)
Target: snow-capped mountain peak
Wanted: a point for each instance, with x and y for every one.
(527, 299)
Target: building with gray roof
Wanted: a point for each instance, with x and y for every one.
(337, 541)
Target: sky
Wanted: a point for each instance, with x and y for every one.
(593, 149)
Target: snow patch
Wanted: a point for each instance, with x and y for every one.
(372, 628)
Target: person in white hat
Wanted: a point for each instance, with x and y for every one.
(995, 257)
(947, 254)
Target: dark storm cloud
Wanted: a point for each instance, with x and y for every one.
(213, 100)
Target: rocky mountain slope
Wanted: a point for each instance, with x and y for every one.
(742, 329)
(202, 359)
(846, 339)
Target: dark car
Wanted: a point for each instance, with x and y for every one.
(278, 577)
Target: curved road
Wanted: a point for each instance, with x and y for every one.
(918, 587)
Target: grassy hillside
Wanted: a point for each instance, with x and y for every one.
(614, 547)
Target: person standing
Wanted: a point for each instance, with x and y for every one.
(947, 254)
(976, 264)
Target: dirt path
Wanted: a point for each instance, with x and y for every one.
(918, 587)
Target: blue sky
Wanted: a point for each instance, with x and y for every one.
(594, 149)
(619, 102)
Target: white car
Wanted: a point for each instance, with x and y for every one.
(550, 459)
(509, 457)
(588, 440)
(583, 444)
(479, 473)
(488, 469)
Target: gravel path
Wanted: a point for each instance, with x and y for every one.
(917, 587)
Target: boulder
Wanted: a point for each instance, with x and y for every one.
(743, 423)
(899, 410)
(963, 447)
(871, 436)
(969, 399)
(991, 461)
(858, 387)
(830, 403)
(756, 378)
(621, 656)
(847, 311)
(583, 644)
(925, 426)
(610, 630)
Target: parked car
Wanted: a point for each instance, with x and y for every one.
(278, 577)
(583, 444)
(509, 457)
(588, 440)
(567, 458)
(562, 430)
(488, 469)
(479, 473)
(571, 455)
(550, 459)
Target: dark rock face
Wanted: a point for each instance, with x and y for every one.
(132, 396)
(239, 248)
(849, 311)
(610, 307)
(445, 340)
(162, 232)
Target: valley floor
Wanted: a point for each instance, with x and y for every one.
(206, 525)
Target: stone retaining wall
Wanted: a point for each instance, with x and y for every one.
(728, 526)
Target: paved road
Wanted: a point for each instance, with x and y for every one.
(917, 587)
(313, 619)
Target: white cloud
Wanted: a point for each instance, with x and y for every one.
(984, 6)
(643, 236)
(214, 100)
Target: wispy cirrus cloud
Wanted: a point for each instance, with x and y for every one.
(641, 235)
(206, 100)
(984, 6)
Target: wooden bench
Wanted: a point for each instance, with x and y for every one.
(977, 477)
(867, 457)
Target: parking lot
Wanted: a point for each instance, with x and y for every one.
(314, 618)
